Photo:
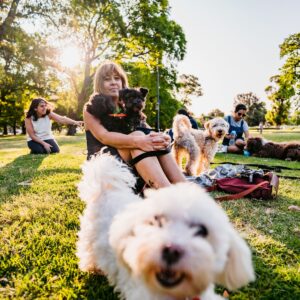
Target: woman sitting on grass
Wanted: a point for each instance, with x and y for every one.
(156, 171)
(40, 139)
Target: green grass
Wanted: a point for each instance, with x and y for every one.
(39, 219)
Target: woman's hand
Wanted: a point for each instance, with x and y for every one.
(154, 141)
(79, 123)
(47, 147)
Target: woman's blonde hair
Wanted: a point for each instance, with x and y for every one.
(108, 68)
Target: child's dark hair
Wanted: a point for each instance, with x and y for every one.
(182, 111)
(240, 107)
(33, 106)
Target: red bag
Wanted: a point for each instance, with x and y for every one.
(260, 188)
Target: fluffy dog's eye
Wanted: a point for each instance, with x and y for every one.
(201, 230)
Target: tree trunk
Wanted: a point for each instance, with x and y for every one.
(71, 130)
(15, 129)
(5, 131)
(84, 93)
(4, 27)
(23, 128)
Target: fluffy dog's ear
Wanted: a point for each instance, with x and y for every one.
(144, 92)
(206, 125)
(121, 229)
(122, 93)
(238, 270)
(227, 126)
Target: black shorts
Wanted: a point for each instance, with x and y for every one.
(140, 183)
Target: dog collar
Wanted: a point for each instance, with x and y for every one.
(121, 115)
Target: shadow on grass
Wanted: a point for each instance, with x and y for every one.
(97, 287)
(17, 175)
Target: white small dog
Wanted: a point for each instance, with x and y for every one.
(175, 244)
(198, 146)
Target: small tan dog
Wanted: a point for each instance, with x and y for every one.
(198, 146)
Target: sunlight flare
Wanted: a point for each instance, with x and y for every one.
(70, 57)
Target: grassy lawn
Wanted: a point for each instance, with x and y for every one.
(39, 219)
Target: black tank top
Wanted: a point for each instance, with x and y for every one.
(93, 145)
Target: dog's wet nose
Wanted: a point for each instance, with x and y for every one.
(171, 254)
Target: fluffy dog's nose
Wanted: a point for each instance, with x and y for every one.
(171, 254)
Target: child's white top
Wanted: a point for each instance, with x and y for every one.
(42, 128)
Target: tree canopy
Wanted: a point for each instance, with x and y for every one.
(256, 109)
(135, 32)
(284, 91)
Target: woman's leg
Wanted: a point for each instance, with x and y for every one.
(36, 148)
(151, 171)
(148, 168)
(170, 168)
(237, 148)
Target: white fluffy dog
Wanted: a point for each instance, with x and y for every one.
(175, 244)
(198, 146)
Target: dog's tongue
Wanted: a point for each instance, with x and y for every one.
(169, 278)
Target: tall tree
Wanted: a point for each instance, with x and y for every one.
(141, 76)
(122, 30)
(188, 86)
(246, 98)
(13, 12)
(23, 74)
(215, 113)
(284, 90)
(290, 71)
(280, 93)
(256, 109)
(24, 57)
(256, 114)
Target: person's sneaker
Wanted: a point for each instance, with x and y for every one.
(223, 149)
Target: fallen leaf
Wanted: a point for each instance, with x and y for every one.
(294, 207)
(26, 182)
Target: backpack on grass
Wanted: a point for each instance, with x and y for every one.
(239, 181)
(265, 187)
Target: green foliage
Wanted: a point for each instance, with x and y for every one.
(256, 113)
(23, 75)
(189, 85)
(286, 93)
(280, 94)
(141, 76)
(125, 31)
(256, 109)
(295, 118)
(215, 113)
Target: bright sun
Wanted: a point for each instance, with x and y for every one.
(70, 57)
